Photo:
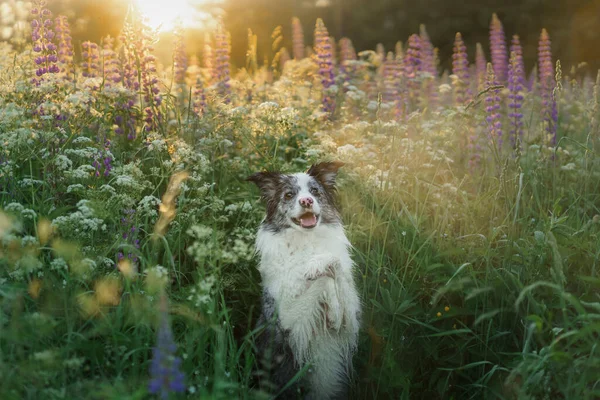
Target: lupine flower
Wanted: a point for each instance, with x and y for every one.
(297, 39)
(516, 48)
(324, 57)
(166, 376)
(498, 50)
(390, 74)
(199, 102)
(460, 68)
(180, 62)
(426, 54)
(492, 108)
(547, 83)
(110, 62)
(428, 65)
(347, 52)
(412, 67)
(91, 57)
(43, 37)
(103, 161)
(222, 51)
(130, 232)
(515, 98)
(209, 60)
(65, 45)
(480, 67)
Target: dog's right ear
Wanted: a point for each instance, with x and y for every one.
(267, 182)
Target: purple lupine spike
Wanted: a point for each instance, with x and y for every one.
(90, 56)
(222, 51)
(389, 72)
(180, 62)
(110, 62)
(324, 58)
(65, 46)
(547, 83)
(43, 38)
(428, 66)
(347, 52)
(480, 67)
(492, 108)
(460, 68)
(515, 98)
(412, 68)
(297, 39)
(427, 53)
(208, 58)
(498, 50)
(516, 48)
(166, 376)
(199, 102)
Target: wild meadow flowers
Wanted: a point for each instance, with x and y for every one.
(470, 196)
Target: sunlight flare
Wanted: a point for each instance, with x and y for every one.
(165, 13)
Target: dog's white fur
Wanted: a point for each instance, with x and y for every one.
(309, 274)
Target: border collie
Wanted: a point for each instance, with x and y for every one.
(310, 305)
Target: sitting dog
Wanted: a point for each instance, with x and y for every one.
(310, 305)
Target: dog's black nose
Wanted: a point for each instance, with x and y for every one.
(306, 202)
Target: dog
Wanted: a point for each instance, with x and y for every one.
(310, 305)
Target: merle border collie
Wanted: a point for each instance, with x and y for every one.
(310, 306)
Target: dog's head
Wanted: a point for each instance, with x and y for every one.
(300, 201)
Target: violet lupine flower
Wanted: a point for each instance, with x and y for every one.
(43, 37)
(412, 68)
(130, 232)
(390, 74)
(222, 51)
(166, 376)
(180, 62)
(199, 102)
(498, 50)
(460, 68)
(110, 62)
(297, 39)
(103, 161)
(547, 83)
(209, 60)
(324, 58)
(65, 45)
(516, 48)
(91, 56)
(515, 98)
(492, 108)
(428, 65)
(480, 67)
(347, 56)
(426, 54)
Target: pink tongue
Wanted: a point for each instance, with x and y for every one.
(308, 220)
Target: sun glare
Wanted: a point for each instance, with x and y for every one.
(164, 13)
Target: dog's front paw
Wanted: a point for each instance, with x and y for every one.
(319, 266)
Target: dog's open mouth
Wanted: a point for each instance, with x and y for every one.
(307, 220)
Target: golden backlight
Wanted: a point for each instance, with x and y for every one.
(164, 13)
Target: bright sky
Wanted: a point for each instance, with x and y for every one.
(165, 12)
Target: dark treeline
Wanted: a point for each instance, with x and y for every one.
(574, 25)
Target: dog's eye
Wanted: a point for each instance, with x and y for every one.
(314, 191)
(288, 195)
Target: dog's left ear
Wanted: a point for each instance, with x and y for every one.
(325, 172)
